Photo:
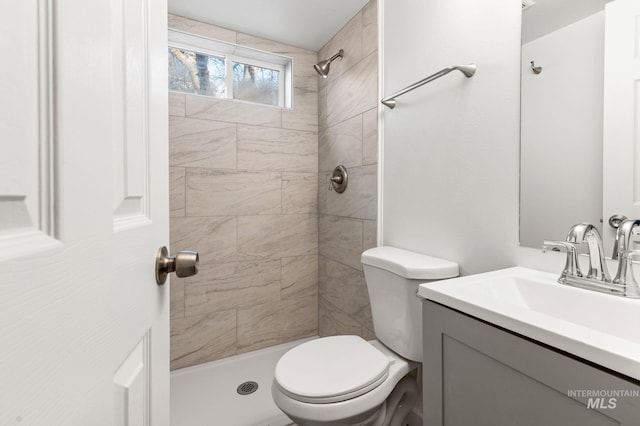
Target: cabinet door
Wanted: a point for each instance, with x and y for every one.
(477, 374)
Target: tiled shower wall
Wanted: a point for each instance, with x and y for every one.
(244, 181)
(348, 136)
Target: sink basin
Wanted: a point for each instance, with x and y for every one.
(597, 327)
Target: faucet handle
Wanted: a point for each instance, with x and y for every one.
(631, 286)
(624, 234)
(571, 266)
(555, 246)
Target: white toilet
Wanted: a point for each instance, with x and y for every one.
(345, 380)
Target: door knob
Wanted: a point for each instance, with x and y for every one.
(184, 264)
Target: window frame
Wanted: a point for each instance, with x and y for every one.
(248, 56)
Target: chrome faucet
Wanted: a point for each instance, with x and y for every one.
(571, 266)
(584, 237)
(621, 249)
(586, 232)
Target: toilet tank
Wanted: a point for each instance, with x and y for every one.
(392, 277)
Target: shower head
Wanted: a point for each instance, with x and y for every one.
(322, 67)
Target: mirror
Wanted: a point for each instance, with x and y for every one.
(561, 117)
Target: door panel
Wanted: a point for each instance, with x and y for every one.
(131, 113)
(134, 381)
(83, 129)
(26, 169)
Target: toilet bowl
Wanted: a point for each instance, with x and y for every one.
(347, 381)
(353, 380)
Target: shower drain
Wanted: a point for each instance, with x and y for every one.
(247, 388)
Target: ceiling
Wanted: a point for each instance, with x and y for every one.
(546, 16)
(302, 23)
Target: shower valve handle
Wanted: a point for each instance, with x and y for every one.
(334, 179)
(338, 180)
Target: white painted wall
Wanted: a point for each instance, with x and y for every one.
(561, 161)
(451, 148)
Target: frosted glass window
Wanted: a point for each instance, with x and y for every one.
(256, 84)
(207, 67)
(199, 73)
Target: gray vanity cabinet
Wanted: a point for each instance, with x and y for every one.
(476, 374)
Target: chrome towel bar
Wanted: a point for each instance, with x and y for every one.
(468, 70)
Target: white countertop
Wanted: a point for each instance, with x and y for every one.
(597, 327)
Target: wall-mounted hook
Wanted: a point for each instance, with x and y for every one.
(535, 69)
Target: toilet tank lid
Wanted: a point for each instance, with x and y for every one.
(409, 264)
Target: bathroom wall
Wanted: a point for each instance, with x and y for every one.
(348, 135)
(451, 147)
(243, 192)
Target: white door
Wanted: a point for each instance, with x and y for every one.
(83, 209)
(621, 159)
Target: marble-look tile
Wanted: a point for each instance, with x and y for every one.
(255, 42)
(359, 200)
(332, 321)
(370, 27)
(259, 326)
(346, 289)
(370, 137)
(220, 192)
(341, 144)
(300, 317)
(323, 108)
(299, 276)
(300, 120)
(367, 326)
(303, 60)
(304, 112)
(176, 291)
(277, 236)
(340, 239)
(353, 93)
(269, 324)
(213, 237)
(202, 143)
(220, 286)
(176, 191)
(232, 111)
(368, 333)
(323, 191)
(349, 38)
(177, 104)
(250, 280)
(322, 275)
(200, 28)
(369, 231)
(299, 193)
(268, 149)
(303, 65)
(305, 94)
(203, 338)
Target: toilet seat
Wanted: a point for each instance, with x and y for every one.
(331, 369)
